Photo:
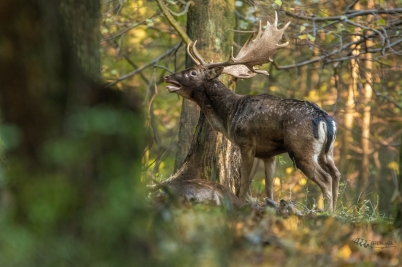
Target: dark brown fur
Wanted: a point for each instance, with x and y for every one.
(264, 126)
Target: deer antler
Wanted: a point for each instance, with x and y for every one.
(254, 52)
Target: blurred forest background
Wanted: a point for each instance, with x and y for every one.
(86, 124)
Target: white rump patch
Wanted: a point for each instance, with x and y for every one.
(319, 143)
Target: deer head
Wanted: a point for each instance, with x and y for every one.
(185, 82)
(255, 52)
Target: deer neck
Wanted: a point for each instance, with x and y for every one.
(217, 102)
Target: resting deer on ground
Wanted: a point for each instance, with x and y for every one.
(262, 126)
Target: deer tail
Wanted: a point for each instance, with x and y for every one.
(331, 129)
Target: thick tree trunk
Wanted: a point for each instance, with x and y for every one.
(190, 113)
(67, 168)
(82, 23)
(210, 155)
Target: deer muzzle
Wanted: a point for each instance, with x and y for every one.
(175, 85)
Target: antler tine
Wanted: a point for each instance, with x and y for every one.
(196, 54)
(196, 62)
(259, 33)
(191, 55)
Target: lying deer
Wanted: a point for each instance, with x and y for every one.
(208, 192)
(262, 126)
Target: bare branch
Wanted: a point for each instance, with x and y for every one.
(153, 62)
(326, 56)
(173, 22)
(346, 16)
(184, 11)
(132, 27)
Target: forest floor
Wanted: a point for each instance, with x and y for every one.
(203, 235)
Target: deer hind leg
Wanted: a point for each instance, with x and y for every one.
(247, 159)
(328, 164)
(269, 165)
(312, 169)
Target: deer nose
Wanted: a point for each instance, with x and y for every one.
(166, 77)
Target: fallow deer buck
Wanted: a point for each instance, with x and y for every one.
(262, 126)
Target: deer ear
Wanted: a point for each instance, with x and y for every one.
(213, 73)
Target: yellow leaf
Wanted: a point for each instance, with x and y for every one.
(303, 181)
(344, 252)
(394, 166)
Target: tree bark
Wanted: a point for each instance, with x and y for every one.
(398, 197)
(189, 116)
(368, 93)
(344, 161)
(210, 155)
(82, 23)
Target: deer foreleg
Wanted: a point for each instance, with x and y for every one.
(269, 164)
(247, 158)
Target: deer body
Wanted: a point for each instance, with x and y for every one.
(262, 126)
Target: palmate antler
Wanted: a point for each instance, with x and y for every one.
(254, 52)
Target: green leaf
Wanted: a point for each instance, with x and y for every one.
(278, 2)
(312, 38)
(382, 22)
(149, 22)
(302, 37)
(243, 24)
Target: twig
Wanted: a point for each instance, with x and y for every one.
(153, 62)
(160, 155)
(346, 16)
(163, 67)
(132, 27)
(326, 56)
(185, 10)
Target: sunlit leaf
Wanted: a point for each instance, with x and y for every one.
(344, 252)
(382, 22)
(394, 166)
(312, 38)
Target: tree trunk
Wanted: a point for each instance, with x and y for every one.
(189, 116)
(210, 156)
(82, 23)
(398, 197)
(368, 92)
(67, 168)
(344, 161)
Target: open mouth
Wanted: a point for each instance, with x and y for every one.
(174, 87)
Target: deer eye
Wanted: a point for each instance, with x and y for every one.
(193, 73)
